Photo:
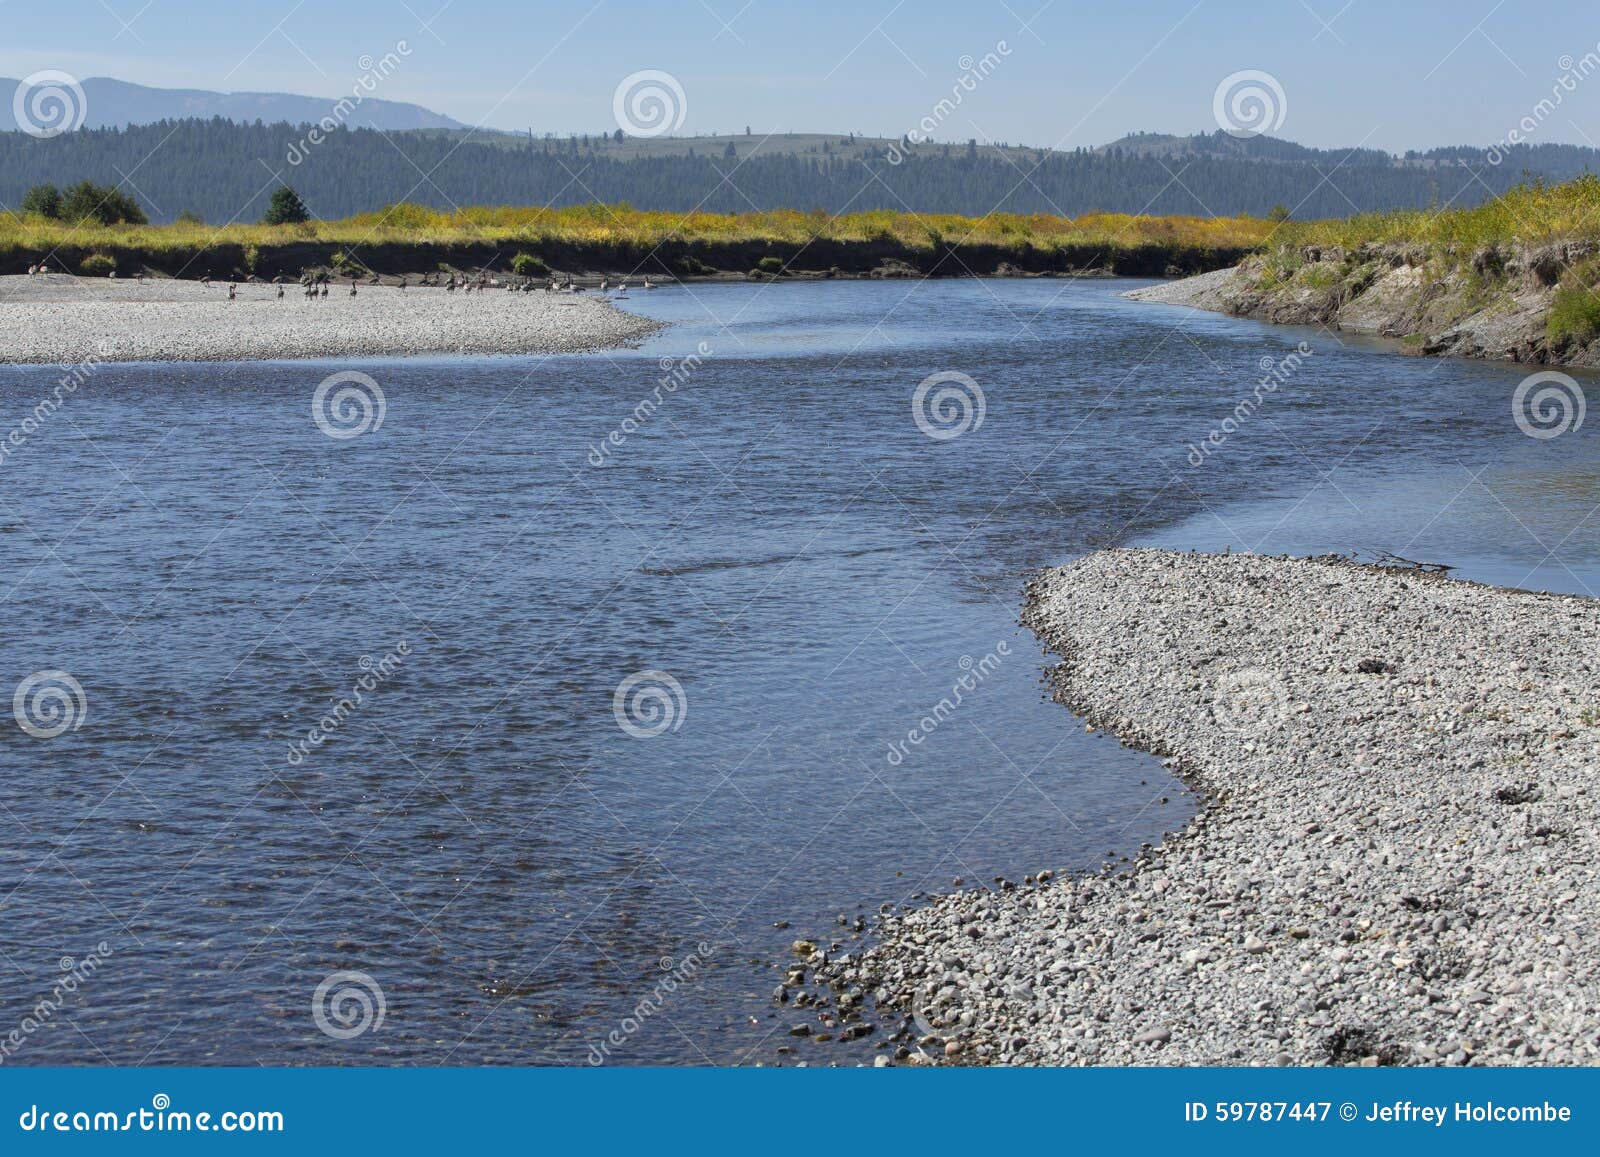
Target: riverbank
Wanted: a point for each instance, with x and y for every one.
(615, 240)
(63, 320)
(1516, 278)
(1396, 864)
(1522, 305)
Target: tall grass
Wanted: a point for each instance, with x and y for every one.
(1533, 214)
(603, 224)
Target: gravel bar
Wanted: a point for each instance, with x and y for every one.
(62, 320)
(1395, 863)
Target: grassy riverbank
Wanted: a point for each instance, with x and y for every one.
(1535, 214)
(413, 239)
(1516, 279)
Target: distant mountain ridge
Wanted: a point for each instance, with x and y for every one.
(1547, 159)
(207, 152)
(111, 103)
(215, 168)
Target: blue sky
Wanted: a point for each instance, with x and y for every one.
(1391, 75)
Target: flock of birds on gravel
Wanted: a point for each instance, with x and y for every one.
(315, 286)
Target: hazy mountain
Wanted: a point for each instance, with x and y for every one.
(1553, 161)
(110, 103)
(216, 167)
(1219, 144)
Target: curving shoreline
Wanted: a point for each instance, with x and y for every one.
(1496, 305)
(1397, 864)
(63, 320)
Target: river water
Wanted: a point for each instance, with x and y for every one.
(785, 570)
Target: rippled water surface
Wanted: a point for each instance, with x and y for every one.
(518, 874)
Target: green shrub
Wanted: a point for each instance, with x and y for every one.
(1318, 276)
(45, 200)
(101, 204)
(527, 265)
(1575, 313)
(96, 265)
(771, 263)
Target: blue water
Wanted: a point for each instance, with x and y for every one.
(517, 873)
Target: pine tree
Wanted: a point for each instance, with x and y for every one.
(286, 208)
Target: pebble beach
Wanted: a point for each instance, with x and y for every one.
(1395, 862)
(62, 320)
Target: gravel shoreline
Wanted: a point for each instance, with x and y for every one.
(1396, 865)
(61, 320)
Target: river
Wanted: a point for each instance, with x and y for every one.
(743, 525)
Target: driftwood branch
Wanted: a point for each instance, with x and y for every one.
(1388, 559)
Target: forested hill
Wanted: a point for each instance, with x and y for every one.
(225, 171)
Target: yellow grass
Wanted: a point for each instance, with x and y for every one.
(1535, 214)
(603, 224)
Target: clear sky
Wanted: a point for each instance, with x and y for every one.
(1388, 74)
